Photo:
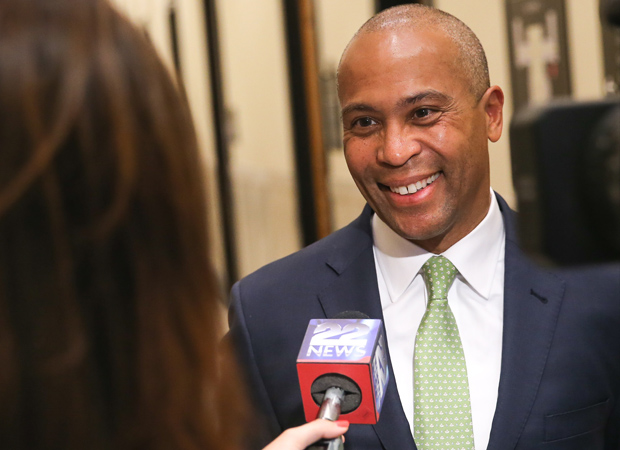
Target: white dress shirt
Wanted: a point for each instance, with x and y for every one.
(476, 299)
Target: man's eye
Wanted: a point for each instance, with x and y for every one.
(423, 113)
(364, 122)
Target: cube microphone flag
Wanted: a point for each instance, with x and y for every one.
(342, 368)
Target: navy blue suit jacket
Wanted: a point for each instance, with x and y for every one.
(560, 372)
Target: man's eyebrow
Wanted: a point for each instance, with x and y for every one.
(430, 94)
(356, 107)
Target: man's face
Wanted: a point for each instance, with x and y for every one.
(415, 138)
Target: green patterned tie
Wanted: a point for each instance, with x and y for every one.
(441, 391)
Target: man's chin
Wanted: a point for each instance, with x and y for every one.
(417, 235)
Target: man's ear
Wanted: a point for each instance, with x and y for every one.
(493, 101)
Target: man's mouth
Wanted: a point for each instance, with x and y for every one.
(414, 187)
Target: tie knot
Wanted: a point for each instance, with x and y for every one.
(439, 273)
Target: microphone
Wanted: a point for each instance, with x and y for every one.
(342, 368)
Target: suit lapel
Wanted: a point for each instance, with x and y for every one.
(355, 288)
(532, 300)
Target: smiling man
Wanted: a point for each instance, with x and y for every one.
(416, 127)
(486, 349)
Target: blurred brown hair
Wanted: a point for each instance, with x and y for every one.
(109, 321)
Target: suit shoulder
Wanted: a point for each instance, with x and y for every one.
(593, 292)
(597, 278)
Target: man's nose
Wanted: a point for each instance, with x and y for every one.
(398, 146)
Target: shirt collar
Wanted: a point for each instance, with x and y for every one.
(475, 256)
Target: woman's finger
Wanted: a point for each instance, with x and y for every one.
(299, 438)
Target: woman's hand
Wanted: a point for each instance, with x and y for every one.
(299, 438)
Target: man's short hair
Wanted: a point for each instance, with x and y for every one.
(415, 16)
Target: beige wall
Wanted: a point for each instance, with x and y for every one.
(586, 49)
(256, 93)
(257, 97)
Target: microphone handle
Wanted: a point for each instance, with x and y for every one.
(328, 444)
(330, 410)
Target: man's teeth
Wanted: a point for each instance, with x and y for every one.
(414, 187)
